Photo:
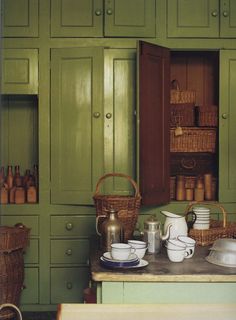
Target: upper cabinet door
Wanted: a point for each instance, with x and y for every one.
(20, 71)
(227, 120)
(130, 18)
(20, 18)
(76, 18)
(76, 124)
(154, 124)
(228, 19)
(191, 18)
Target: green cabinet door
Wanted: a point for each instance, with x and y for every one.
(20, 18)
(76, 124)
(227, 128)
(193, 18)
(19, 71)
(119, 117)
(228, 19)
(130, 18)
(76, 18)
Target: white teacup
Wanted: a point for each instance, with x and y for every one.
(121, 251)
(177, 255)
(137, 244)
(190, 245)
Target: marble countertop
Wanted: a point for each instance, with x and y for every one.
(161, 269)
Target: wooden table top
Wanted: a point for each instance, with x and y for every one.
(161, 269)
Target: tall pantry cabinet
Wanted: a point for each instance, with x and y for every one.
(82, 114)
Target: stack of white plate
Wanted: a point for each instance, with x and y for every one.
(202, 218)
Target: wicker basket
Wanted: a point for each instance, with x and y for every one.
(193, 140)
(182, 114)
(207, 116)
(218, 229)
(127, 206)
(181, 96)
(12, 238)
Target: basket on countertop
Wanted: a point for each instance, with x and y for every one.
(127, 206)
(193, 140)
(218, 228)
(181, 96)
(13, 241)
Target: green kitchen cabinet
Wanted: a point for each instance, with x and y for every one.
(201, 19)
(20, 18)
(92, 125)
(103, 18)
(19, 71)
(227, 129)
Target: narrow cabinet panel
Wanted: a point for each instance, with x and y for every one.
(228, 19)
(76, 18)
(227, 128)
(76, 124)
(193, 18)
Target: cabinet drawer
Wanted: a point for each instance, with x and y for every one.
(80, 226)
(20, 71)
(67, 284)
(29, 221)
(193, 163)
(32, 252)
(69, 251)
(30, 293)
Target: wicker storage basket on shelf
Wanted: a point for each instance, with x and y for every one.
(127, 206)
(193, 140)
(207, 116)
(218, 228)
(181, 96)
(12, 242)
(182, 114)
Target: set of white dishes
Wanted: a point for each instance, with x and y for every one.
(180, 248)
(202, 221)
(125, 255)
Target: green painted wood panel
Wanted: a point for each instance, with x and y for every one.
(76, 124)
(228, 19)
(67, 284)
(31, 254)
(227, 128)
(70, 251)
(191, 18)
(31, 222)
(76, 18)
(119, 120)
(130, 18)
(30, 292)
(19, 71)
(20, 18)
(19, 127)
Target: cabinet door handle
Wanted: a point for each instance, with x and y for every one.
(68, 252)
(69, 226)
(96, 115)
(224, 116)
(98, 12)
(108, 115)
(69, 285)
(225, 14)
(214, 13)
(109, 12)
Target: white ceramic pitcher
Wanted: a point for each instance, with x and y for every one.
(178, 223)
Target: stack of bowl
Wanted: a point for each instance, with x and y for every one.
(223, 253)
(202, 218)
(139, 246)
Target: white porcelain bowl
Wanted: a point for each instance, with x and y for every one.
(137, 244)
(140, 252)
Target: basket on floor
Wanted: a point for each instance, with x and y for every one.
(13, 240)
(127, 206)
(218, 228)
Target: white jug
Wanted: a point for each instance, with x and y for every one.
(178, 223)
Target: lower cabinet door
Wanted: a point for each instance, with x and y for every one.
(67, 284)
(30, 292)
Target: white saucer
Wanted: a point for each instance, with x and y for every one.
(107, 256)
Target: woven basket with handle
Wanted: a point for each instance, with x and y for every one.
(181, 96)
(127, 206)
(218, 228)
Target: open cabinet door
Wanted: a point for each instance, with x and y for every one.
(154, 123)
